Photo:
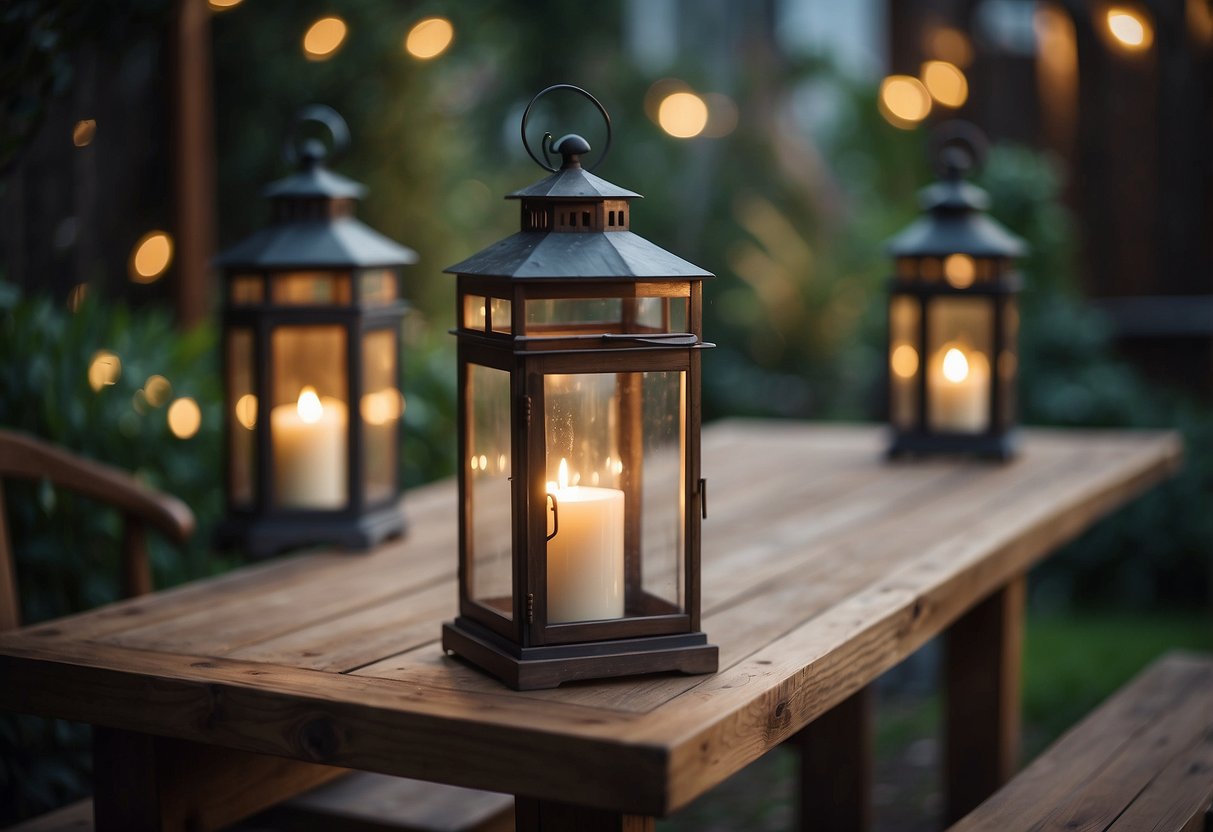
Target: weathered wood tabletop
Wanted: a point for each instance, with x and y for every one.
(823, 566)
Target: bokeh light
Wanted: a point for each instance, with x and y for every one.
(959, 270)
(429, 38)
(945, 82)
(157, 389)
(324, 38)
(246, 410)
(223, 5)
(103, 370)
(184, 417)
(151, 257)
(683, 115)
(904, 101)
(83, 132)
(1130, 29)
(951, 45)
(904, 361)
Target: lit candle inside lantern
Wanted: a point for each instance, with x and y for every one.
(585, 556)
(309, 451)
(959, 390)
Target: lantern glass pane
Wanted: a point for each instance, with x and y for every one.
(474, 315)
(489, 544)
(959, 336)
(616, 546)
(555, 317)
(377, 287)
(501, 310)
(382, 407)
(245, 289)
(309, 420)
(318, 288)
(241, 418)
(904, 361)
(1008, 362)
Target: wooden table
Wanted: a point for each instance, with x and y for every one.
(823, 566)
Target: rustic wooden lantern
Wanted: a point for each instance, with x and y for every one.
(953, 317)
(311, 344)
(579, 419)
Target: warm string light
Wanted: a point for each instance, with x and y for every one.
(429, 38)
(323, 38)
(946, 83)
(904, 101)
(683, 115)
(151, 257)
(104, 370)
(184, 418)
(83, 132)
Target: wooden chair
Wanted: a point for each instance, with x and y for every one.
(355, 801)
(24, 457)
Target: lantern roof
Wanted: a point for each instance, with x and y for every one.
(954, 219)
(341, 242)
(560, 253)
(313, 222)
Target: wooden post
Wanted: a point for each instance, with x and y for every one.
(836, 767)
(194, 160)
(548, 816)
(983, 651)
(143, 783)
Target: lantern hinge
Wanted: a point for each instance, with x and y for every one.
(530, 607)
(524, 410)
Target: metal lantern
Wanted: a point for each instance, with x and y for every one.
(953, 317)
(579, 419)
(312, 312)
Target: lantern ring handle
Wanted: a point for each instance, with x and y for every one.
(545, 144)
(295, 150)
(958, 147)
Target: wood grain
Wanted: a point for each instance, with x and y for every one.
(823, 566)
(1142, 757)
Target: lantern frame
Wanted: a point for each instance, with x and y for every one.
(316, 294)
(953, 317)
(642, 358)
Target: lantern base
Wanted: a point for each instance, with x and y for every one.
(999, 446)
(263, 536)
(535, 668)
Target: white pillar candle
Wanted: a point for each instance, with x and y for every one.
(585, 557)
(309, 444)
(958, 390)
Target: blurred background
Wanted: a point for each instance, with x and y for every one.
(777, 143)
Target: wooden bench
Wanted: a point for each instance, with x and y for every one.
(1142, 761)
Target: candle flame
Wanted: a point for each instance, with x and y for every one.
(309, 406)
(562, 477)
(955, 366)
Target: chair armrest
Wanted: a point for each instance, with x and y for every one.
(26, 457)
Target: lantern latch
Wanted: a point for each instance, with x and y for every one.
(555, 515)
(530, 608)
(703, 497)
(524, 410)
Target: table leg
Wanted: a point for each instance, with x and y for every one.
(143, 783)
(836, 766)
(983, 652)
(532, 815)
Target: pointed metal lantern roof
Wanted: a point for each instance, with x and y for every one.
(954, 219)
(314, 225)
(560, 254)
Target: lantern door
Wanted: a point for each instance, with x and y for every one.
(608, 492)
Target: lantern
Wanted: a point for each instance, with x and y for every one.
(579, 484)
(312, 314)
(953, 318)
